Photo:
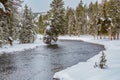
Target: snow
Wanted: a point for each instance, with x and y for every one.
(48, 28)
(88, 18)
(2, 6)
(86, 70)
(10, 38)
(110, 19)
(102, 19)
(21, 47)
(82, 70)
(37, 18)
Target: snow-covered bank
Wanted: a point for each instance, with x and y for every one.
(21, 47)
(86, 71)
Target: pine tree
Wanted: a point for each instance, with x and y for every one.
(41, 24)
(58, 16)
(13, 19)
(71, 21)
(113, 9)
(28, 30)
(103, 60)
(86, 20)
(7, 16)
(80, 18)
(3, 22)
(93, 13)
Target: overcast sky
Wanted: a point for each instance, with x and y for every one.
(44, 5)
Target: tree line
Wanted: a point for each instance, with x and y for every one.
(81, 20)
(15, 25)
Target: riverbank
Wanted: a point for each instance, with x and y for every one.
(86, 70)
(21, 47)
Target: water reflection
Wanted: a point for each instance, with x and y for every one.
(53, 46)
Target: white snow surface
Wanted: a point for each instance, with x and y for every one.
(86, 70)
(2, 7)
(48, 28)
(21, 47)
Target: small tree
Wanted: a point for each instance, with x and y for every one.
(102, 61)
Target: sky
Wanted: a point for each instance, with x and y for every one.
(44, 5)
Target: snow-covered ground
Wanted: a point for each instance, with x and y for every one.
(86, 70)
(82, 70)
(21, 47)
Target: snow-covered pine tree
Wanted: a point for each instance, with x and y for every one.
(80, 18)
(41, 24)
(113, 8)
(13, 19)
(71, 21)
(28, 29)
(58, 16)
(93, 13)
(7, 15)
(103, 60)
(2, 22)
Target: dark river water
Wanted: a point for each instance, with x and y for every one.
(42, 62)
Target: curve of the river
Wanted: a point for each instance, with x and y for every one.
(42, 62)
